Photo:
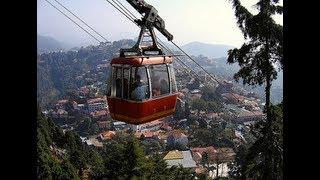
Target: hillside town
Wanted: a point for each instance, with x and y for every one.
(86, 112)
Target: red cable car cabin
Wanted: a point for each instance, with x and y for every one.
(142, 88)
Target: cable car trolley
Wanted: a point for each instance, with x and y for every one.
(142, 85)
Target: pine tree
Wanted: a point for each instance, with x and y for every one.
(257, 59)
(136, 162)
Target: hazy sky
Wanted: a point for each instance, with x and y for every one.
(209, 21)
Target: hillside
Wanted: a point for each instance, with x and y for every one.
(60, 72)
(63, 155)
(205, 49)
(47, 44)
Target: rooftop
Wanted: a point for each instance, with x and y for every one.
(177, 134)
(174, 155)
(183, 158)
(108, 134)
(198, 152)
(96, 100)
(62, 101)
(99, 113)
(146, 134)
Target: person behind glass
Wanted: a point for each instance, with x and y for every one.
(164, 88)
(139, 91)
(156, 86)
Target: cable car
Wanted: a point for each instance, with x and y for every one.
(142, 85)
(143, 89)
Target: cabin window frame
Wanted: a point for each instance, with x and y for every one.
(169, 83)
(118, 68)
(173, 81)
(129, 78)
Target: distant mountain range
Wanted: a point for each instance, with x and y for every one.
(48, 44)
(205, 49)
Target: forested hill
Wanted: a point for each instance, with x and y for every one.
(63, 155)
(60, 72)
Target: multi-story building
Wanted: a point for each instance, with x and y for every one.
(97, 104)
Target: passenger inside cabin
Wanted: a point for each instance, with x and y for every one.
(139, 92)
(156, 86)
(164, 87)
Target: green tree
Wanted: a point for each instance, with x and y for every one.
(136, 163)
(96, 162)
(77, 158)
(181, 173)
(199, 104)
(257, 59)
(48, 165)
(213, 106)
(205, 160)
(235, 167)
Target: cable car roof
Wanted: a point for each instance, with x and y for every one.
(142, 60)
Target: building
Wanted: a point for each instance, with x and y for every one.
(219, 157)
(183, 158)
(239, 136)
(251, 105)
(184, 91)
(97, 104)
(198, 152)
(66, 105)
(212, 116)
(248, 116)
(253, 95)
(107, 135)
(225, 155)
(119, 125)
(195, 96)
(93, 142)
(104, 124)
(166, 127)
(225, 87)
(148, 135)
(233, 98)
(177, 138)
(61, 104)
(100, 115)
(150, 126)
(195, 91)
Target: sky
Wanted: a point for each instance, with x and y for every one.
(207, 21)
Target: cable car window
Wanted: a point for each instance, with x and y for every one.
(139, 84)
(173, 79)
(109, 83)
(159, 80)
(126, 73)
(119, 82)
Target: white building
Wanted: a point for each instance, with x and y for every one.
(150, 126)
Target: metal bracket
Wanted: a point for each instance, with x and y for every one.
(138, 49)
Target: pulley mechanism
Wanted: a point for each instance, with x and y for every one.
(147, 23)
